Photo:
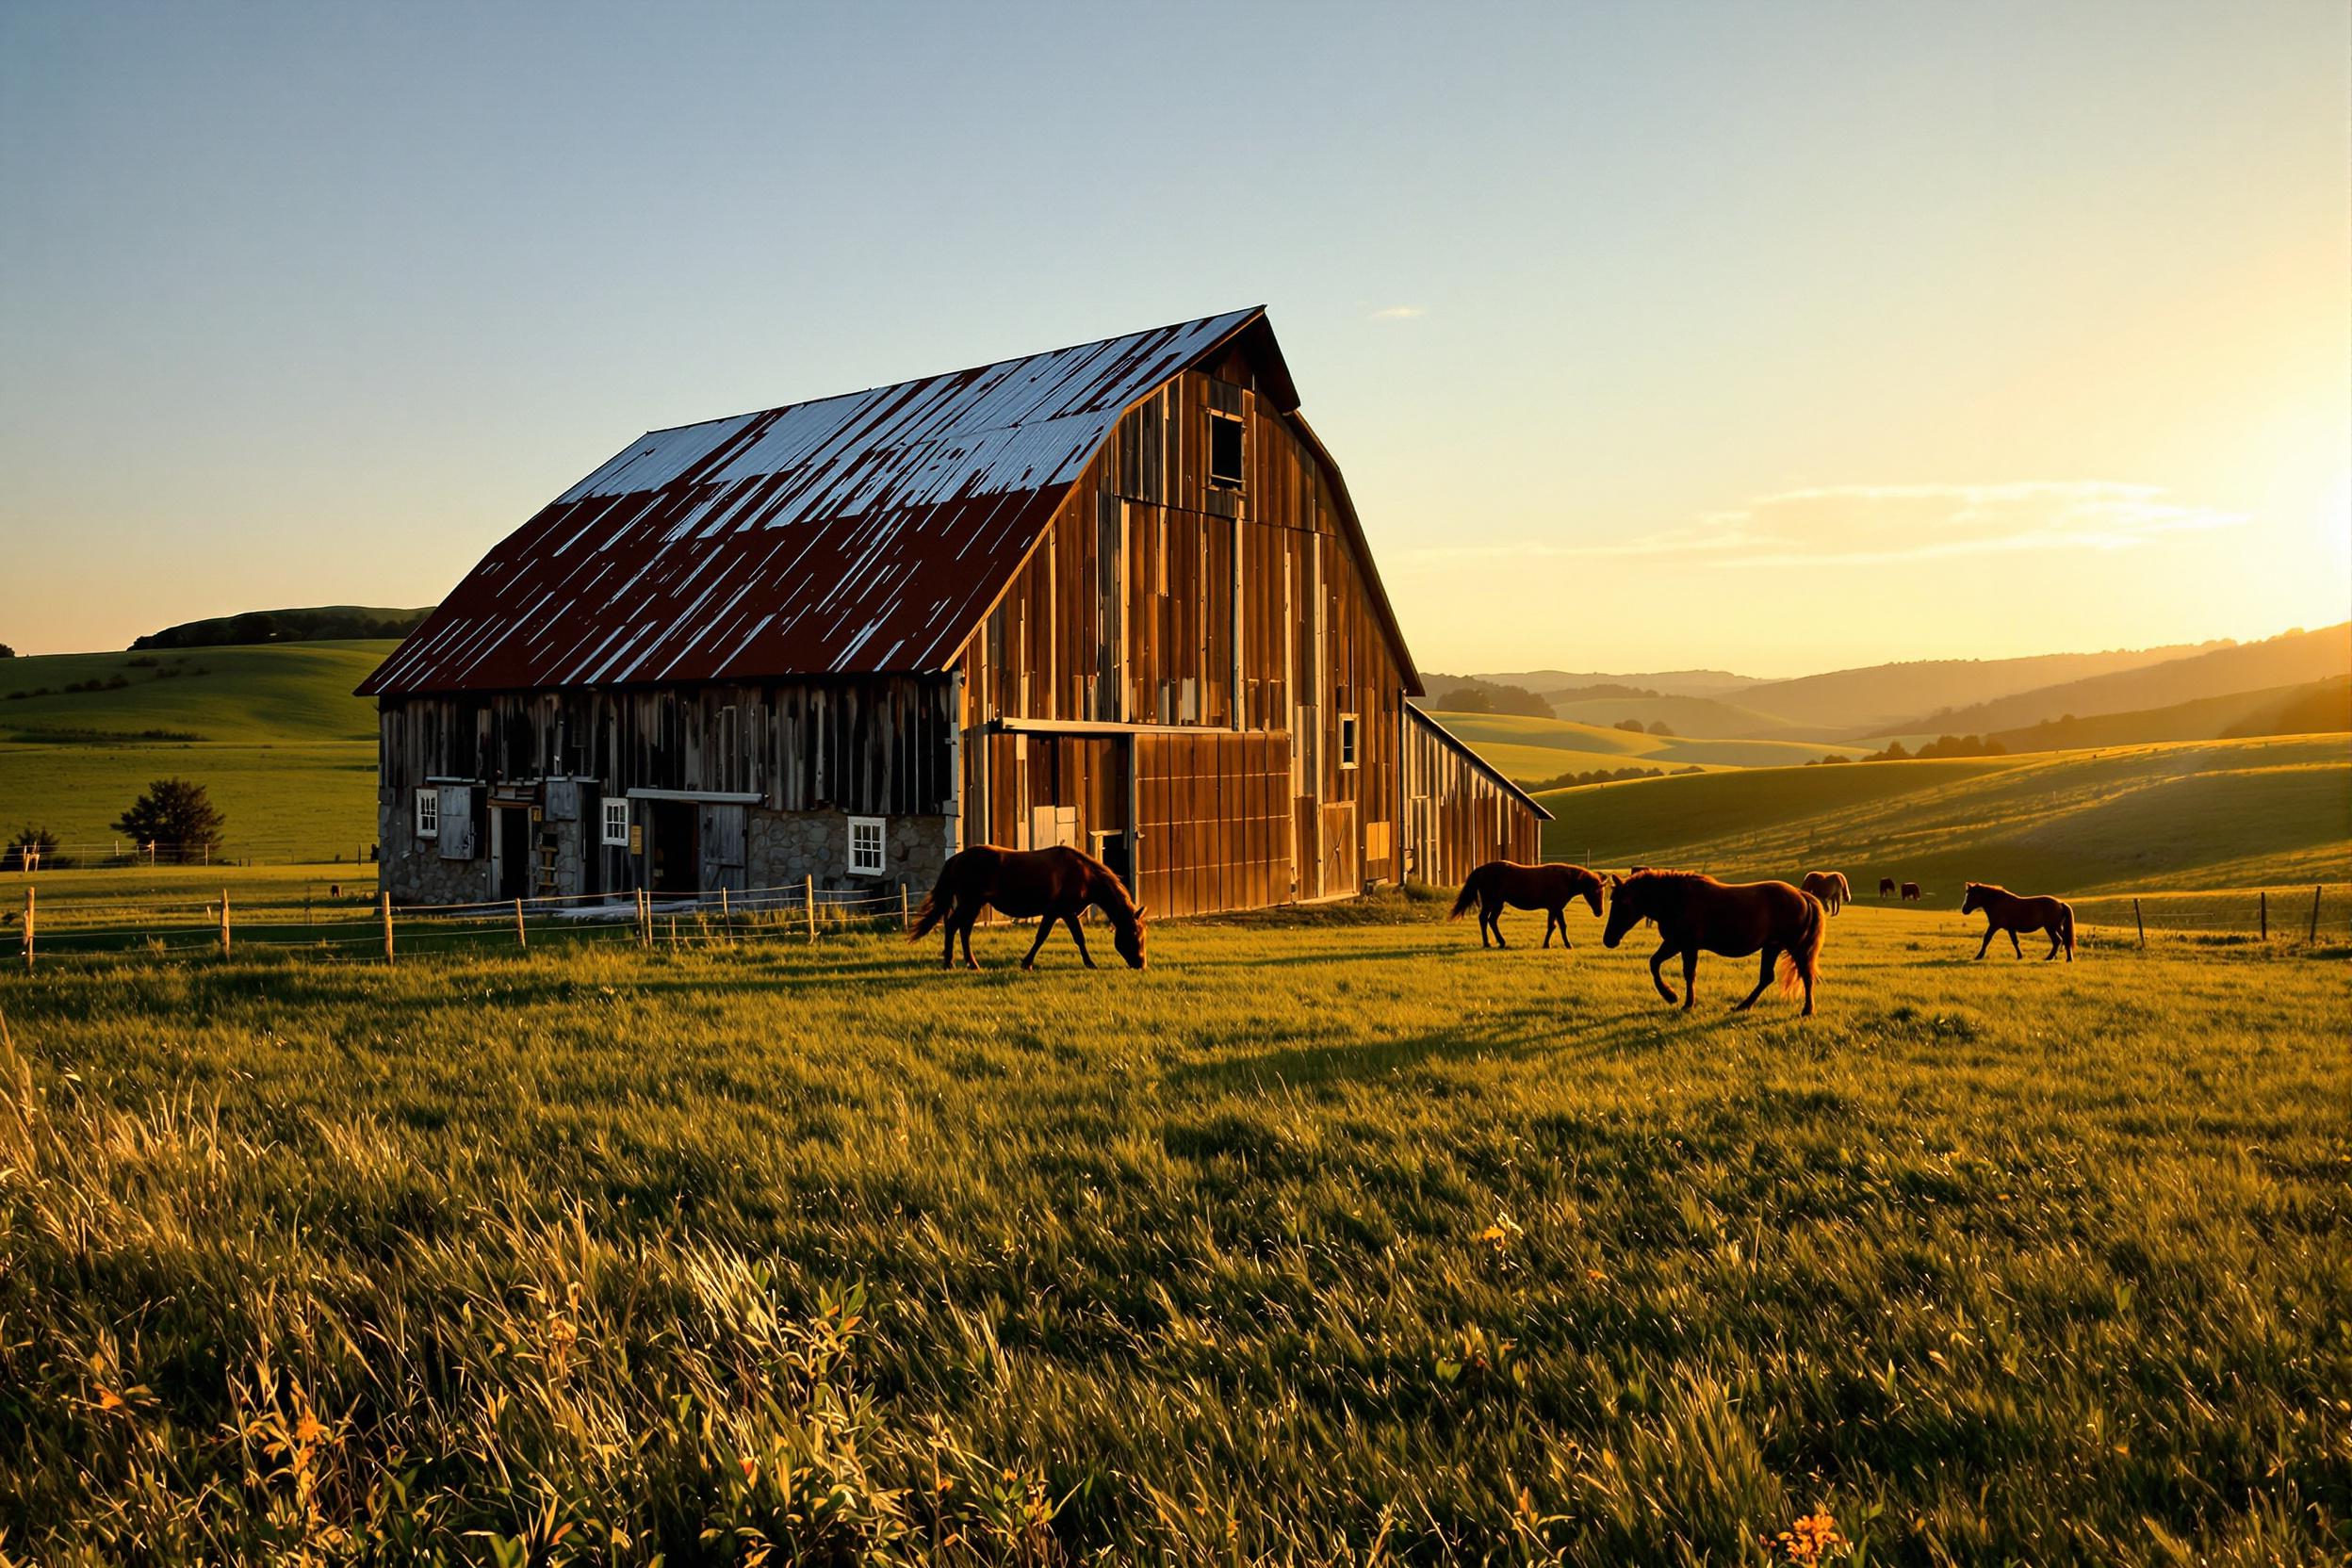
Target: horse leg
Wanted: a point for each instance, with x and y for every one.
(1690, 976)
(1665, 951)
(1986, 945)
(1763, 979)
(1045, 928)
(1080, 937)
(1559, 918)
(1551, 918)
(971, 919)
(2054, 945)
(947, 940)
(2014, 944)
(1486, 915)
(1495, 919)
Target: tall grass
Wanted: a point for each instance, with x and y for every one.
(1318, 1241)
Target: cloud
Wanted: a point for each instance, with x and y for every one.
(1848, 525)
(1399, 313)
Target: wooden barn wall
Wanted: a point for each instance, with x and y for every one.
(1156, 599)
(1457, 818)
(1214, 809)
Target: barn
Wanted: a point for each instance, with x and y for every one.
(1112, 596)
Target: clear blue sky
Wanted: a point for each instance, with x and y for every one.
(1769, 337)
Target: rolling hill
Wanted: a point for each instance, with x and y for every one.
(2320, 707)
(1689, 683)
(2211, 814)
(1713, 718)
(1533, 750)
(1890, 698)
(2290, 659)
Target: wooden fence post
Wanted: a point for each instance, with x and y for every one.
(224, 923)
(2137, 921)
(808, 890)
(2313, 939)
(905, 910)
(520, 941)
(28, 929)
(385, 897)
(2263, 912)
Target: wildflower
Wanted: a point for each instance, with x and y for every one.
(1815, 1538)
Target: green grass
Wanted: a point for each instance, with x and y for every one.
(1533, 750)
(2213, 814)
(1704, 716)
(1322, 1240)
(286, 752)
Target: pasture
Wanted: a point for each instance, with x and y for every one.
(1327, 1239)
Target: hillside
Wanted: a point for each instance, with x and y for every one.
(1709, 717)
(1533, 750)
(2320, 707)
(1889, 698)
(1682, 683)
(2223, 813)
(320, 623)
(274, 733)
(2292, 659)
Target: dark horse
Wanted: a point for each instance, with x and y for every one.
(2007, 911)
(1545, 888)
(1830, 887)
(1051, 885)
(1911, 892)
(1886, 887)
(1735, 919)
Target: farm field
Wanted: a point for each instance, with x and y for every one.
(1327, 1239)
(1533, 750)
(2159, 818)
(284, 749)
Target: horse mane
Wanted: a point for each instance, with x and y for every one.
(1989, 887)
(1659, 877)
(1115, 899)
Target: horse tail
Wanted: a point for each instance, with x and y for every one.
(2065, 917)
(1802, 964)
(936, 903)
(1469, 894)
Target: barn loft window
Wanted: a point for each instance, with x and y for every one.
(429, 812)
(1346, 739)
(616, 823)
(1224, 453)
(865, 846)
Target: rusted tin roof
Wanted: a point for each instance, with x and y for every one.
(860, 535)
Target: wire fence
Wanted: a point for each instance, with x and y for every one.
(2311, 915)
(377, 930)
(105, 853)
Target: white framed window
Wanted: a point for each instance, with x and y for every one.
(866, 840)
(429, 812)
(1348, 730)
(616, 823)
(1225, 465)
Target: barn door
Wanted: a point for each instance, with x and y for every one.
(1341, 873)
(722, 838)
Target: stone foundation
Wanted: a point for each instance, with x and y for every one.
(783, 847)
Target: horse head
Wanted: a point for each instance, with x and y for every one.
(1127, 936)
(1974, 899)
(1591, 890)
(1624, 912)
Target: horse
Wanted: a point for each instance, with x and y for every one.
(1830, 887)
(1547, 888)
(1910, 893)
(1055, 883)
(1695, 912)
(1886, 887)
(2010, 912)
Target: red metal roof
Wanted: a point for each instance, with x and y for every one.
(858, 534)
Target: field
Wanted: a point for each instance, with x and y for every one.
(1327, 1239)
(1533, 750)
(274, 733)
(2205, 815)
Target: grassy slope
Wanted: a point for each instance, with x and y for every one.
(2261, 711)
(2218, 814)
(288, 754)
(1710, 717)
(1313, 1234)
(1532, 749)
(2292, 659)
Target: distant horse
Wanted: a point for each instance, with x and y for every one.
(1055, 883)
(1735, 919)
(1911, 892)
(1546, 887)
(1830, 888)
(1886, 887)
(2007, 911)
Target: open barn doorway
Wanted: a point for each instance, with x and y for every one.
(674, 862)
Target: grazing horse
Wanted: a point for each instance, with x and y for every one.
(1830, 887)
(1911, 892)
(2007, 911)
(1545, 888)
(1886, 887)
(1695, 912)
(1055, 883)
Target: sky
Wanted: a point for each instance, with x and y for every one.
(1774, 338)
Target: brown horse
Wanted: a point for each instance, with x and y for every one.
(1911, 892)
(1830, 888)
(1697, 913)
(1886, 887)
(2008, 911)
(1546, 887)
(1055, 883)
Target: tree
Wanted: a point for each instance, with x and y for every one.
(1657, 726)
(6, 652)
(1632, 726)
(175, 816)
(1466, 699)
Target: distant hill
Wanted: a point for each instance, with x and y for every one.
(2211, 814)
(1710, 717)
(1685, 683)
(1885, 699)
(1531, 750)
(2292, 659)
(2317, 708)
(277, 693)
(322, 623)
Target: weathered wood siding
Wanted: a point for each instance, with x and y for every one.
(1457, 817)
